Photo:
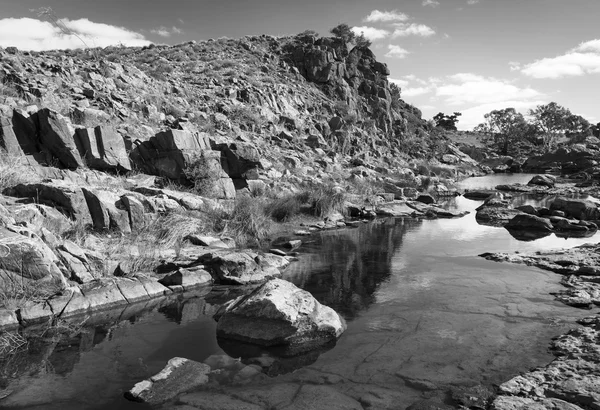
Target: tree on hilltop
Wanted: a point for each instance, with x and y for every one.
(507, 125)
(344, 32)
(347, 35)
(447, 122)
(554, 121)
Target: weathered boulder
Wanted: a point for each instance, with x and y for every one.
(56, 136)
(529, 222)
(103, 148)
(28, 256)
(279, 313)
(496, 216)
(576, 208)
(543, 180)
(243, 267)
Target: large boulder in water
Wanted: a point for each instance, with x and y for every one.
(543, 180)
(576, 208)
(529, 222)
(279, 313)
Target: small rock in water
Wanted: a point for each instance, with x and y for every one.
(178, 376)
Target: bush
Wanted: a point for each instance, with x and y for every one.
(249, 221)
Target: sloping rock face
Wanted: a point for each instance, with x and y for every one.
(352, 75)
(279, 313)
(102, 148)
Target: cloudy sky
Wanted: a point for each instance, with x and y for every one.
(470, 56)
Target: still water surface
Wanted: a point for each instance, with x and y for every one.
(424, 314)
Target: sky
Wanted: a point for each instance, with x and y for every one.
(468, 56)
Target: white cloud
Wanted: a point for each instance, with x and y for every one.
(474, 89)
(166, 32)
(34, 34)
(414, 92)
(471, 2)
(161, 31)
(413, 29)
(396, 52)
(371, 33)
(399, 82)
(583, 59)
(589, 46)
(432, 3)
(385, 16)
(473, 116)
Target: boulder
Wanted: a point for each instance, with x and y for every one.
(279, 313)
(576, 208)
(495, 216)
(529, 222)
(243, 267)
(543, 180)
(28, 256)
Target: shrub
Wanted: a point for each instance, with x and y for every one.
(249, 221)
(327, 199)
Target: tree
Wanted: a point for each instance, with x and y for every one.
(552, 120)
(361, 41)
(507, 125)
(596, 130)
(344, 32)
(447, 122)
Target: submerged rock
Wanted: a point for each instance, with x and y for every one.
(279, 313)
(178, 376)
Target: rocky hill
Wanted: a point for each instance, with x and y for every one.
(122, 164)
(283, 97)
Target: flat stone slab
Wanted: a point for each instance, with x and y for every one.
(178, 376)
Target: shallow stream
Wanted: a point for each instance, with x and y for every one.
(425, 314)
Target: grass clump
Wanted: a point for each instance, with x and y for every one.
(319, 201)
(249, 222)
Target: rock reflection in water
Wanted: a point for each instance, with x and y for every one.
(92, 368)
(273, 360)
(343, 269)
